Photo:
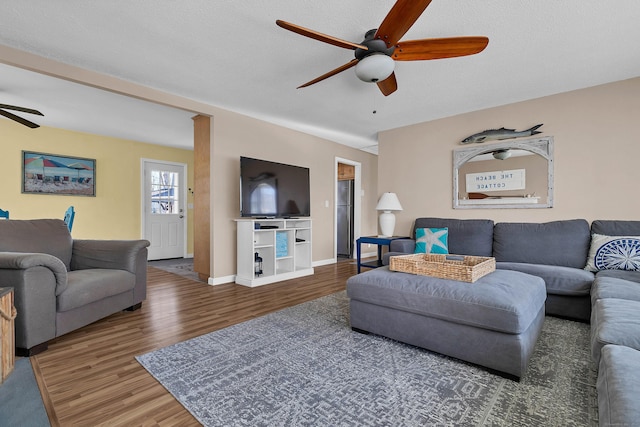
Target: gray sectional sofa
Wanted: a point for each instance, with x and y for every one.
(615, 334)
(61, 284)
(558, 252)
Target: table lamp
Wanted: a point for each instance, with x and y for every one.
(387, 203)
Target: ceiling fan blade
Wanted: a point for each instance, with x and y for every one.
(340, 69)
(19, 119)
(416, 50)
(319, 36)
(388, 85)
(22, 109)
(400, 18)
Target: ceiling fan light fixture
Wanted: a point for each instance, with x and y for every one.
(375, 67)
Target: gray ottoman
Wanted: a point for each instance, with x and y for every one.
(614, 321)
(619, 386)
(493, 322)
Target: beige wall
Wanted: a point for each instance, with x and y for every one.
(115, 211)
(597, 155)
(235, 135)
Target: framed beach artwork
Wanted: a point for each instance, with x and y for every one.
(54, 174)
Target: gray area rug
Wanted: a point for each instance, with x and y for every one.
(304, 366)
(180, 266)
(20, 400)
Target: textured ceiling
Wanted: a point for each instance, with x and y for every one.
(231, 54)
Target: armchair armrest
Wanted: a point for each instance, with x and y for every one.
(25, 261)
(36, 280)
(109, 254)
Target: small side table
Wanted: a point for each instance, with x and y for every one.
(376, 240)
(7, 333)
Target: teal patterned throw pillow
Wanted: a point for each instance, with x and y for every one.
(432, 241)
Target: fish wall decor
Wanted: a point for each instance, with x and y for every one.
(498, 134)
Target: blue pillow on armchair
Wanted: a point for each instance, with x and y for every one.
(432, 241)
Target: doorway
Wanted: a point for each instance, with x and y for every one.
(347, 207)
(163, 208)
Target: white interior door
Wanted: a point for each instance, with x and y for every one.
(164, 209)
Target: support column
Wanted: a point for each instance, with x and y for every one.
(202, 196)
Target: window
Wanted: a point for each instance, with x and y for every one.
(164, 192)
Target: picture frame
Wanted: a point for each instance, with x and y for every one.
(44, 173)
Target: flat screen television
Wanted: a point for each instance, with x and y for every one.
(270, 189)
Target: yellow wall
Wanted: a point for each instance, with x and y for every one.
(596, 156)
(115, 211)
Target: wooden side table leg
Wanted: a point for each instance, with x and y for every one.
(7, 333)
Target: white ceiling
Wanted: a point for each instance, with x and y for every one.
(231, 54)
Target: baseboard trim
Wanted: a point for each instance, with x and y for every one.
(323, 262)
(215, 281)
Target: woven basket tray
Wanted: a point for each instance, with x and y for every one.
(464, 268)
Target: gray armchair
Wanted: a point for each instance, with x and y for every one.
(61, 284)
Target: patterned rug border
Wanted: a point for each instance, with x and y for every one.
(304, 366)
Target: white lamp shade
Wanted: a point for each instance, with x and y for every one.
(375, 67)
(389, 202)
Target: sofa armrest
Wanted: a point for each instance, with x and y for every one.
(407, 246)
(109, 254)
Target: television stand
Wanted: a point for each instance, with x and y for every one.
(284, 245)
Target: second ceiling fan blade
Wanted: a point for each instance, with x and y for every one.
(400, 18)
(451, 47)
(22, 109)
(388, 85)
(19, 119)
(319, 36)
(340, 69)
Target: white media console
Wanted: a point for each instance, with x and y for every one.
(284, 245)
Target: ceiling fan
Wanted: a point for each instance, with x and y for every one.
(375, 55)
(19, 119)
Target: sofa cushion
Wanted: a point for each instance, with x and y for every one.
(87, 286)
(466, 236)
(616, 227)
(45, 236)
(432, 241)
(614, 321)
(633, 276)
(558, 280)
(564, 243)
(618, 386)
(611, 287)
(614, 253)
(504, 301)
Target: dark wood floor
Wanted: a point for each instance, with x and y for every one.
(90, 377)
